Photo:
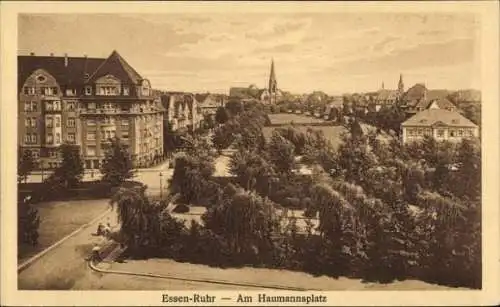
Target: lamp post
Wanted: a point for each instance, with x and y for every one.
(161, 186)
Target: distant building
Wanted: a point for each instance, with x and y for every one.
(181, 111)
(86, 101)
(440, 124)
(418, 97)
(209, 103)
(270, 95)
(384, 97)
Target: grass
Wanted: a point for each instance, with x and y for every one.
(286, 118)
(60, 218)
(332, 133)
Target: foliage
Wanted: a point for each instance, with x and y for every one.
(181, 208)
(118, 165)
(25, 164)
(70, 173)
(221, 116)
(191, 178)
(281, 153)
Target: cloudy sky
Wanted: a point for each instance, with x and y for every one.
(333, 52)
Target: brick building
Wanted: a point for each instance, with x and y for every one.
(86, 101)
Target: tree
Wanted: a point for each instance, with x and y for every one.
(221, 116)
(69, 174)
(281, 153)
(234, 107)
(467, 181)
(118, 165)
(28, 222)
(142, 220)
(25, 164)
(246, 221)
(251, 170)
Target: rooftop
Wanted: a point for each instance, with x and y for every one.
(430, 117)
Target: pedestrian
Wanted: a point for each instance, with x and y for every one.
(100, 229)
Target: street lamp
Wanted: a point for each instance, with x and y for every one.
(161, 186)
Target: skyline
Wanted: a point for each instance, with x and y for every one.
(332, 52)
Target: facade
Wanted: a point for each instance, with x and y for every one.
(86, 102)
(419, 98)
(209, 103)
(440, 124)
(181, 111)
(385, 97)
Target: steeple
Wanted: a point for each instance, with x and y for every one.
(401, 86)
(273, 85)
(383, 85)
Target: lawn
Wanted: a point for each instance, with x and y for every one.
(286, 118)
(60, 218)
(332, 133)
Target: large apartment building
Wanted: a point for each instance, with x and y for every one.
(86, 101)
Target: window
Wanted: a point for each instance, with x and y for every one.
(49, 106)
(41, 78)
(126, 91)
(108, 135)
(470, 132)
(71, 122)
(125, 122)
(27, 138)
(107, 90)
(452, 132)
(70, 105)
(49, 91)
(27, 122)
(58, 122)
(440, 133)
(90, 150)
(70, 92)
(35, 154)
(29, 90)
(33, 138)
(103, 135)
(88, 91)
(50, 138)
(71, 138)
(91, 122)
(124, 134)
(53, 153)
(49, 122)
(58, 138)
(91, 136)
(461, 132)
(57, 105)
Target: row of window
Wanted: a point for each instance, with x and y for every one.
(461, 132)
(32, 138)
(53, 105)
(44, 90)
(107, 120)
(106, 134)
(49, 122)
(54, 91)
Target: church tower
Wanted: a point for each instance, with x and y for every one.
(401, 86)
(273, 84)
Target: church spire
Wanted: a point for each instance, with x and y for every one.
(401, 85)
(273, 84)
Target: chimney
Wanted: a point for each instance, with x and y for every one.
(32, 53)
(65, 60)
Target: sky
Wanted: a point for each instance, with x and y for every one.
(332, 52)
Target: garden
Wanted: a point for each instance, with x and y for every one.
(384, 211)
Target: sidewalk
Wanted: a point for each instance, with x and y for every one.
(260, 277)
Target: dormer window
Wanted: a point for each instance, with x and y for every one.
(454, 121)
(126, 91)
(88, 90)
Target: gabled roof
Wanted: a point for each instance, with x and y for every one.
(442, 103)
(115, 65)
(430, 117)
(72, 74)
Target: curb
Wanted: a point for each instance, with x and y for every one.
(30, 261)
(200, 280)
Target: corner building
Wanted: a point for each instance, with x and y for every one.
(86, 102)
